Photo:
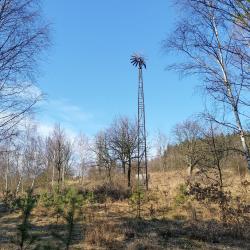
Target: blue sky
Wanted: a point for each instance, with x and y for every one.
(88, 77)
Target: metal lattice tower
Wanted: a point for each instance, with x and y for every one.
(142, 165)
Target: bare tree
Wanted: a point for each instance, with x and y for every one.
(104, 155)
(32, 150)
(235, 11)
(188, 135)
(214, 52)
(216, 147)
(6, 152)
(123, 141)
(59, 155)
(23, 37)
(84, 155)
(10, 164)
(161, 147)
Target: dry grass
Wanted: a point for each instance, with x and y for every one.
(112, 224)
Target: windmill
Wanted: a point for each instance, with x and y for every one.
(142, 164)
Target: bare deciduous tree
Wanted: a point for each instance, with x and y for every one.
(214, 52)
(104, 155)
(123, 141)
(84, 155)
(235, 11)
(32, 150)
(23, 36)
(59, 155)
(215, 147)
(188, 135)
(161, 147)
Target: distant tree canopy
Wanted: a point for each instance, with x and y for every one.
(205, 150)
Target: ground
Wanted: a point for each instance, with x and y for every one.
(113, 224)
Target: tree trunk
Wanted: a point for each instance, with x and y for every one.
(6, 180)
(53, 176)
(18, 185)
(6, 176)
(190, 166)
(231, 97)
(82, 173)
(59, 179)
(109, 175)
(32, 184)
(124, 167)
(82, 178)
(63, 175)
(190, 170)
(129, 172)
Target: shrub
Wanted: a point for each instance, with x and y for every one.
(181, 197)
(26, 205)
(67, 204)
(113, 191)
(46, 246)
(10, 201)
(88, 196)
(104, 236)
(136, 201)
(233, 210)
(47, 199)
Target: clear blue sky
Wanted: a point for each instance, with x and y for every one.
(88, 77)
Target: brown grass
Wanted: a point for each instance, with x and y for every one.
(164, 224)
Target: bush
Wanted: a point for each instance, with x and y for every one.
(88, 196)
(47, 199)
(233, 210)
(181, 197)
(26, 205)
(10, 201)
(66, 204)
(136, 201)
(114, 192)
(60, 202)
(74, 202)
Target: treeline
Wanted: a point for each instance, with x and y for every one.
(202, 149)
(31, 160)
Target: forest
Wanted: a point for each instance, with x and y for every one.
(89, 192)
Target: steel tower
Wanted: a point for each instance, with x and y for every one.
(142, 164)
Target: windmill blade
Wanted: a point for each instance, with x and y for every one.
(138, 60)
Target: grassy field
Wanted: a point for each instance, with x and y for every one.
(169, 220)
